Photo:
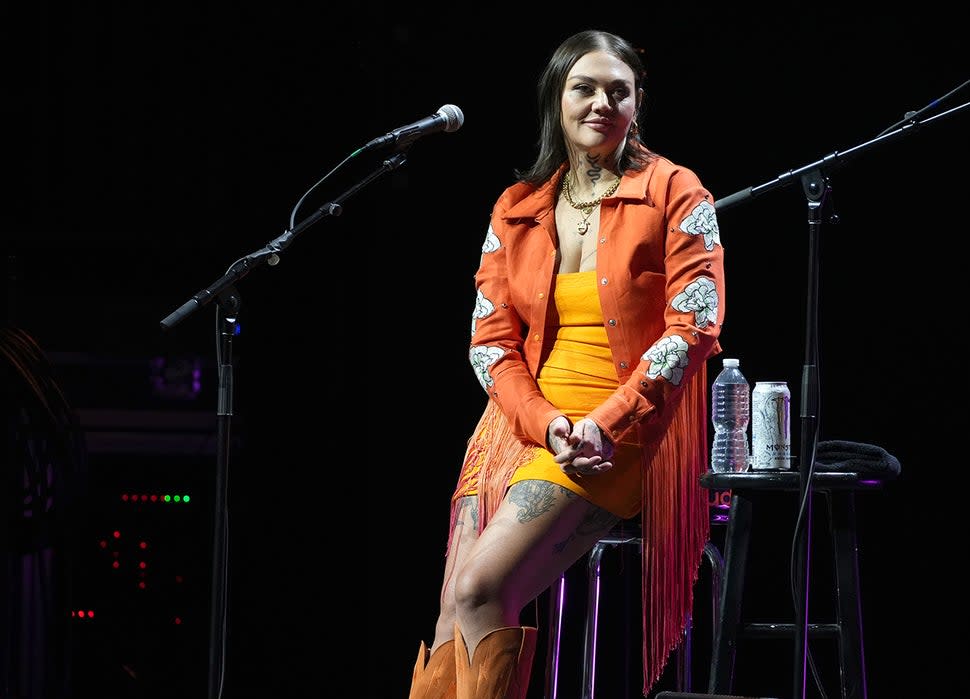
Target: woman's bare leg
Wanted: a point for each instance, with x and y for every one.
(539, 531)
(463, 540)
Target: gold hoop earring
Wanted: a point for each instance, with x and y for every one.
(635, 129)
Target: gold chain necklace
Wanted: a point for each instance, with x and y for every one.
(585, 206)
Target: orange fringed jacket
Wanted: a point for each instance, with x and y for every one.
(661, 290)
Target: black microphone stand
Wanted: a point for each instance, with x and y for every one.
(228, 301)
(817, 188)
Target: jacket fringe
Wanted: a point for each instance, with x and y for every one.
(676, 527)
(494, 454)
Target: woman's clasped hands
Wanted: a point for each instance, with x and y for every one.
(580, 449)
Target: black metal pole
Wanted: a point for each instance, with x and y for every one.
(816, 188)
(218, 616)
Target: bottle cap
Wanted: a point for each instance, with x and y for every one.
(732, 362)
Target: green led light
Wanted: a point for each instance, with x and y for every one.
(168, 498)
(185, 498)
(178, 498)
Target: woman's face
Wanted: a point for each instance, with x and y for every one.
(598, 103)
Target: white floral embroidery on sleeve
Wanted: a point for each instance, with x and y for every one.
(483, 309)
(703, 221)
(700, 296)
(668, 357)
(482, 357)
(492, 243)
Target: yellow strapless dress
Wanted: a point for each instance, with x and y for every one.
(576, 377)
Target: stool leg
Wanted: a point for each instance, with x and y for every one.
(682, 682)
(557, 599)
(737, 536)
(851, 653)
(714, 557)
(592, 620)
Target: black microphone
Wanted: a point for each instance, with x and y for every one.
(448, 118)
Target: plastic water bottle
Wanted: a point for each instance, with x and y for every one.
(731, 412)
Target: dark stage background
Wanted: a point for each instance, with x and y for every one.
(150, 147)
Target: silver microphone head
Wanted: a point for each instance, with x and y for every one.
(454, 117)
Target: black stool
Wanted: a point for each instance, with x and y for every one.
(838, 489)
(625, 533)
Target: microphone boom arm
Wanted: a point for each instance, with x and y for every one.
(829, 162)
(270, 253)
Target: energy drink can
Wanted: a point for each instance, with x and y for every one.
(770, 426)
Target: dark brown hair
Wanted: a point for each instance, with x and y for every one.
(552, 147)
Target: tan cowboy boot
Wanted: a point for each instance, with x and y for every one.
(434, 673)
(501, 667)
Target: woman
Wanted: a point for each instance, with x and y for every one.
(599, 300)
